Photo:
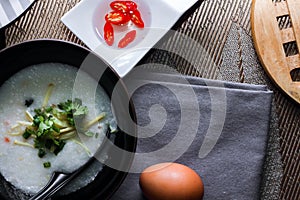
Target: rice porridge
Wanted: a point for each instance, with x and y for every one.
(20, 96)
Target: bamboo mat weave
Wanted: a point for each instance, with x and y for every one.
(223, 29)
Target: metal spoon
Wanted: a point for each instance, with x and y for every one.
(59, 179)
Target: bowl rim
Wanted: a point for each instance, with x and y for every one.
(119, 176)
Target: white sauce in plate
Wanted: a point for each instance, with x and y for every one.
(20, 165)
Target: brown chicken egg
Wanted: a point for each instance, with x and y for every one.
(174, 181)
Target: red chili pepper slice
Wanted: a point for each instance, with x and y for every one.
(137, 19)
(117, 17)
(108, 33)
(6, 139)
(128, 38)
(124, 6)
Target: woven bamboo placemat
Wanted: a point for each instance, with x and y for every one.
(222, 27)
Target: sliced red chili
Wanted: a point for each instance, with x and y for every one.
(137, 19)
(124, 6)
(117, 17)
(128, 38)
(108, 33)
(6, 139)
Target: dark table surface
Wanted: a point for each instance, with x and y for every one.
(2, 39)
(222, 28)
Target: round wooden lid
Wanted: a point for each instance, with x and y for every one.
(276, 35)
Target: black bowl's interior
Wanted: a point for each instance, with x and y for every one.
(17, 57)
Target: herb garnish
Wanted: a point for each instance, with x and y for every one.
(51, 126)
(28, 102)
(47, 164)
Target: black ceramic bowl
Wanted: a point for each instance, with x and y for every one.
(18, 57)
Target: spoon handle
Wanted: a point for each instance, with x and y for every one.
(57, 181)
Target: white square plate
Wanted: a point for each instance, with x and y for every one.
(86, 21)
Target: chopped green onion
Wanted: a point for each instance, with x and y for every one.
(89, 133)
(27, 133)
(56, 129)
(51, 126)
(59, 146)
(28, 102)
(48, 109)
(47, 164)
(41, 153)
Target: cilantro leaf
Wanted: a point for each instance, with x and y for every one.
(53, 125)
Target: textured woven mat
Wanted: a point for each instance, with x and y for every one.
(222, 27)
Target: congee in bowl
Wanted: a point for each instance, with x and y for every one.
(48, 125)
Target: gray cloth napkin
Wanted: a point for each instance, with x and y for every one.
(236, 114)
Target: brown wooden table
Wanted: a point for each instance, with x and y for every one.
(222, 27)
